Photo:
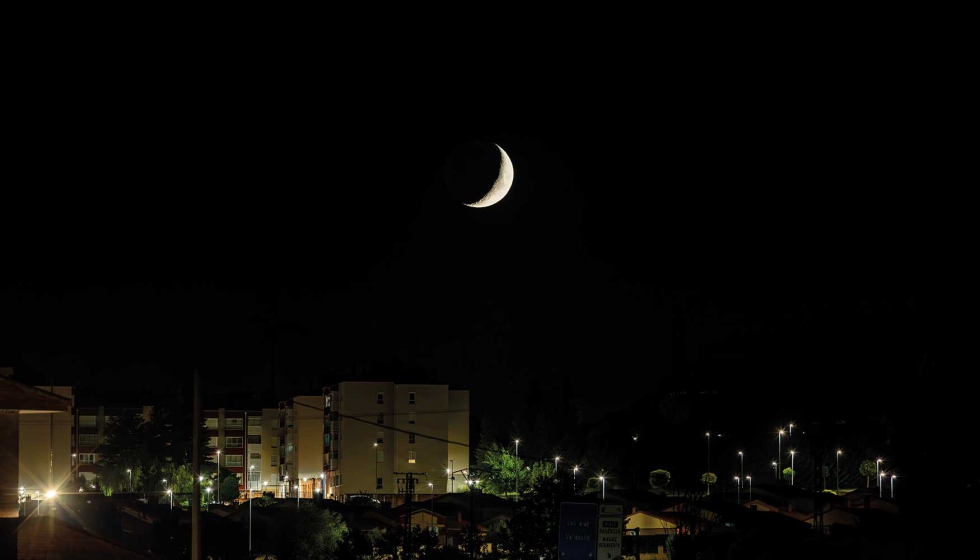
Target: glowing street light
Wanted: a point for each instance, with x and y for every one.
(749, 478)
(708, 436)
(171, 494)
(249, 485)
(130, 471)
(774, 470)
(574, 472)
(602, 478)
(838, 470)
(50, 494)
(779, 453)
(741, 468)
(207, 505)
(738, 490)
(792, 471)
(432, 505)
(517, 470)
(894, 476)
(557, 458)
(219, 475)
(878, 469)
(880, 479)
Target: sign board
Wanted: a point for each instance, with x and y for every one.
(577, 524)
(609, 544)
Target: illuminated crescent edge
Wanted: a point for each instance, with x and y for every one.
(500, 188)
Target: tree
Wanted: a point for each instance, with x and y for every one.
(709, 478)
(659, 478)
(318, 533)
(229, 488)
(788, 474)
(868, 468)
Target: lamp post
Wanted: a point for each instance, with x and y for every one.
(556, 464)
(171, 493)
(219, 476)
(130, 471)
(249, 484)
(878, 470)
(207, 504)
(517, 468)
(602, 479)
(432, 505)
(749, 478)
(296, 488)
(708, 436)
(574, 472)
(779, 455)
(774, 471)
(741, 468)
(893, 485)
(881, 476)
(376, 471)
(738, 490)
(838, 471)
(792, 471)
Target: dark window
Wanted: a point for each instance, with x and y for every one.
(411, 398)
(381, 398)
(378, 484)
(381, 418)
(411, 438)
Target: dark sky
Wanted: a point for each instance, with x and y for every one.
(751, 222)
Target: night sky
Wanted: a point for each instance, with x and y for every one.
(746, 227)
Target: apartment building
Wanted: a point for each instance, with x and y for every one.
(244, 441)
(90, 428)
(375, 430)
(45, 446)
(301, 447)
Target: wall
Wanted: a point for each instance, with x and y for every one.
(45, 448)
(459, 429)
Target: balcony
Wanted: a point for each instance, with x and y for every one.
(255, 430)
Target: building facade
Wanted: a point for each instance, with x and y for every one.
(375, 432)
(90, 428)
(242, 441)
(301, 447)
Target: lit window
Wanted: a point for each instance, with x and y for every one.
(411, 417)
(411, 438)
(234, 423)
(254, 476)
(381, 398)
(211, 423)
(411, 457)
(254, 420)
(213, 441)
(411, 398)
(87, 458)
(88, 439)
(233, 461)
(233, 442)
(86, 421)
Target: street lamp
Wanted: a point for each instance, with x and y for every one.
(249, 485)
(838, 471)
(574, 472)
(774, 471)
(708, 435)
(517, 468)
(602, 479)
(741, 469)
(738, 490)
(219, 476)
(376, 471)
(878, 469)
(130, 471)
(296, 488)
(792, 471)
(432, 505)
(880, 477)
(779, 454)
(207, 505)
(893, 485)
(556, 464)
(749, 478)
(171, 493)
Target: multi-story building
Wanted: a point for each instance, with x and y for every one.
(45, 447)
(373, 431)
(243, 441)
(301, 446)
(90, 428)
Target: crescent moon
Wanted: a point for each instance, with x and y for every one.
(500, 188)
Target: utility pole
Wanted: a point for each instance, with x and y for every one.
(410, 482)
(195, 465)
